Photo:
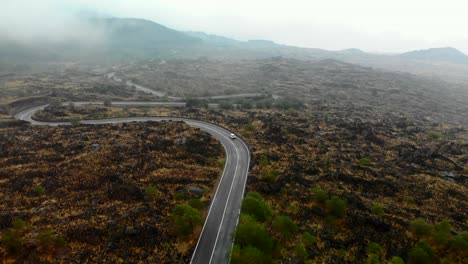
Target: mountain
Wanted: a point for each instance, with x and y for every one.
(101, 40)
(214, 39)
(447, 54)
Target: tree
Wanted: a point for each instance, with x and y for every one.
(186, 219)
(420, 228)
(337, 206)
(252, 233)
(255, 206)
(421, 253)
(248, 255)
(308, 239)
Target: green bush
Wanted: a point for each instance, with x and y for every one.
(249, 255)
(377, 209)
(397, 260)
(460, 242)
(374, 248)
(337, 206)
(264, 161)
(421, 253)
(196, 203)
(152, 192)
(434, 135)
(319, 195)
(186, 219)
(365, 161)
(285, 226)
(12, 243)
(252, 233)
(301, 251)
(39, 190)
(269, 175)
(255, 206)
(420, 228)
(308, 239)
(442, 233)
(179, 196)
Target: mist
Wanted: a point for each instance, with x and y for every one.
(369, 25)
(31, 22)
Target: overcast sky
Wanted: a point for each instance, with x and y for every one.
(371, 25)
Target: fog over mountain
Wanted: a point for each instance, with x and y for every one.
(332, 25)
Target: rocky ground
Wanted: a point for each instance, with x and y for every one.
(407, 167)
(106, 192)
(392, 147)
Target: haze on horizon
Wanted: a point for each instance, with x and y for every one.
(370, 25)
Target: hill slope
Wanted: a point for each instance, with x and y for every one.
(437, 54)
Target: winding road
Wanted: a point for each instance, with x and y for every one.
(216, 237)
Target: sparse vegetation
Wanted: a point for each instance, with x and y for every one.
(186, 219)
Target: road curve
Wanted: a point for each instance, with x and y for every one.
(216, 237)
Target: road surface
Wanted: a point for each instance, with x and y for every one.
(216, 237)
(141, 88)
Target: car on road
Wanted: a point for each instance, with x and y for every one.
(232, 136)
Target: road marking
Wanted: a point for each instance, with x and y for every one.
(212, 202)
(227, 200)
(200, 124)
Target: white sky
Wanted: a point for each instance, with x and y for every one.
(371, 25)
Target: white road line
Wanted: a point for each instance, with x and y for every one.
(227, 201)
(206, 126)
(212, 202)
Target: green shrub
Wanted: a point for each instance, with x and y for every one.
(308, 239)
(248, 254)
(397, 260)
(365, 161)
(421, 253)
(269, 175)
(301, 251)
(374, 248)
(152, 192)
(442, 233)
(186, 219)
(434, 135)
(196, 203)
(255, 206)
(319, 195)
(249, 127)
(285, 226)
(410, 200)
(337, 206)
(252, 233)
(377, 209)
(264, 161)
(179, 196)
(12, 243)
(420, 228)
(39, 190)
(460, 242)
(373, 259)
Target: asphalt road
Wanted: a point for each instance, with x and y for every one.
(141, 88)
(216, 237)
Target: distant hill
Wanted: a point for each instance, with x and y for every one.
(214, 39)
(448, 54)
(109, 40)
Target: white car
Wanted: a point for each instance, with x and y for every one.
(232, 136)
